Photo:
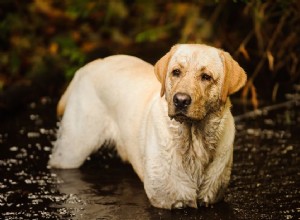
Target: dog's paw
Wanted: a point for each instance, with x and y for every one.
(178, 205)
(210, 197)
(201, 203)
(207, 197)
(181, 204)
(208, 200)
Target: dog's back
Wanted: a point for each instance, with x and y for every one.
(120, 70)
(106, 100)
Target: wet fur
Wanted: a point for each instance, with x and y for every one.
(182, 162)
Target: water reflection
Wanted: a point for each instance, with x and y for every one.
(113, 193)
(117, 193)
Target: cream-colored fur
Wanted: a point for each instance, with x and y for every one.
(183, 154)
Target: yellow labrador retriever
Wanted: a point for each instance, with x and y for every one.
(177, 132)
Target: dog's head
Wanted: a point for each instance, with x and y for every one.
(197, 79)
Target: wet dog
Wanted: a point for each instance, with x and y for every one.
(177, 132)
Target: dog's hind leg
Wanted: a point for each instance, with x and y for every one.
(84, 127)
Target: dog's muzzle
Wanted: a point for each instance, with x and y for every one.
(181, 102)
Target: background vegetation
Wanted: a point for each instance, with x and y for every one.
(49, 39)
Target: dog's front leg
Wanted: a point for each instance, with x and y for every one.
(216, 178)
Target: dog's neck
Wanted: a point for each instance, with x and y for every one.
(196, 141)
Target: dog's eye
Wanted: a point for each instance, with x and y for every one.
(206, 77)
(176, 72)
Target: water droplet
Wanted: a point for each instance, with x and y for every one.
(14, 148)
(46, 148)
(33, 134)
(32, 105)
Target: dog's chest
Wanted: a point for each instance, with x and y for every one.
(190, 152)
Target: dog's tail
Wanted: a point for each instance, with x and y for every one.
(60, 109)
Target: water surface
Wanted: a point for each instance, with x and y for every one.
(264, 185)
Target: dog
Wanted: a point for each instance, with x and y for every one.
(171, 122)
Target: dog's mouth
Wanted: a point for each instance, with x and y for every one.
(181, 117)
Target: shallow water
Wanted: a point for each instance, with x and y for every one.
(264, 184)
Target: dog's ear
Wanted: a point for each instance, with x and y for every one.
(161, 68)
(234, 76)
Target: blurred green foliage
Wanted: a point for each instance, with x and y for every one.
(50, 36)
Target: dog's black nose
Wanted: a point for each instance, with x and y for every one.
(182, 100)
